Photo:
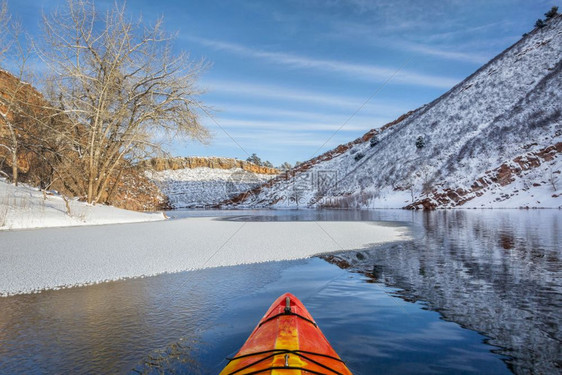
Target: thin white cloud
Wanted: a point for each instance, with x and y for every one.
(450, 45)
(281, 126)
(282, 93)
(446, 54)
(286, 94)
(298, 126)
(372, 110)
(273, 139)
(358, 71)
(454, 35)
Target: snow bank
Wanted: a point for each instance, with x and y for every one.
(26, 207)
(61, 257)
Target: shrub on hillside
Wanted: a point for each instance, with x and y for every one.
(553, 12)
(540, 24)
(255, 159)
(285, 166)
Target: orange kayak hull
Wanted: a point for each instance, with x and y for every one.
(286, 341)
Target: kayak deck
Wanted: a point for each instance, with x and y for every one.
(286, 341)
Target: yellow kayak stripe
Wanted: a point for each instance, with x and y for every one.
(288, 338)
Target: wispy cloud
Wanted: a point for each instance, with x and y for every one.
(292, 126)
(261, 111)
(445, 54)
(391, 16)
(272, 139)
(315, 102)
(283, 94)
(456, 35)
(356, 71)
(457, 45)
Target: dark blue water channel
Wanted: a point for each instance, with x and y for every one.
(473, 292)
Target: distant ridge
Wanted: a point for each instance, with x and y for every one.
(175, 163)
(204, 182)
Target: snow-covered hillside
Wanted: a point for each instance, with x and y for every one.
(203, 186)
(494, 140)
(27, 207)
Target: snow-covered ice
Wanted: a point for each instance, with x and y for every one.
(33, 260)
(26, 207)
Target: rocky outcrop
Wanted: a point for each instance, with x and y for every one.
(136, 192)
(504, 175)
(162, 164)
(190, 182)
(19, 104)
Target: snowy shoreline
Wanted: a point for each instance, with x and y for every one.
(54, 258)
(24, 207)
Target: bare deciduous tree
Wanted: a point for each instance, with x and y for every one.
(121, 89)
(553, 178)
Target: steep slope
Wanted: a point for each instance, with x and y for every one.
(204, 182)
(20, 105)
(494, 140)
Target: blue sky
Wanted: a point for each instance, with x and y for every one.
(285, 75)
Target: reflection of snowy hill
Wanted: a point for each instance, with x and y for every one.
(494, 140)
(496, 272)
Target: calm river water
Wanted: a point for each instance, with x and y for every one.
(472, 292)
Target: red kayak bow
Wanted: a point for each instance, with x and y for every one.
(286, 341)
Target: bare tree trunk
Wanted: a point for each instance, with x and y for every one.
(67, 205)
(553, 179)
(15, 164)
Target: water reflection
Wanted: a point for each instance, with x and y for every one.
(112, 327)
(369, 328)
(496, 272)
(387, 216)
